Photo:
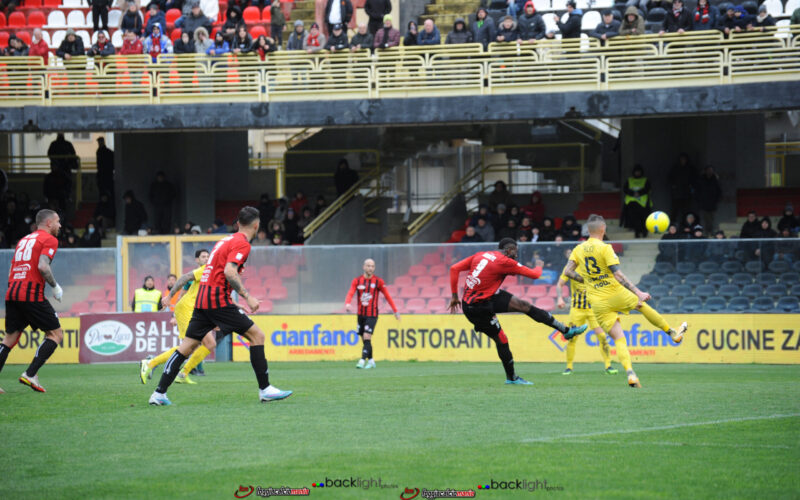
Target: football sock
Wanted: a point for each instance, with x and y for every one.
(622, 351)
(161, 358)
(259, 363)
(199, 355)
(366, 353)
(602, 342)
(43, 353)
(4, 350)
(171, 370)
(544, 317)
(571, 351)
(504, 351)
(654, 317)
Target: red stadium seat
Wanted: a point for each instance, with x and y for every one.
(4, 36)
(257, 31)
(251, 15)
(384, 306)
(408, 292)
(456, 236)
(102, 307)
(53, 4)
(394, 291)
(253, 282)
(430, 292)
(415, 305)
(172, 15)
(553, 291)
(432, 259)
(403, 281)
(417, 270)
(2, 20)
(36, 19)
(16, 20)
(214, 33)
(268, 271)
(437, 306)
(517, 290)
(438, 270)
(287, 270)
(79, 307)
(546, 303)
(443, 281)
(265, 307)
(24, 36)
(259, 292)
(278, 293)
(423, 281)
(536, 291)
(175, 34)
(97, 295)
(266, 14)
(273, 281)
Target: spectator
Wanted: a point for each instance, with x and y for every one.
(531, 25)
(632, 24)
(263, 46)
(91, 237)
(62, 154)
(16, 47)
(228, 34)
(155, 17)
(105, 213)
(100, 10)
(376, 10)
(135, 214)
(202, 44)
(305, 220)
(765, 251)
(572, 28)
(266, 208)
(147, 298)
(275, 227)
(105, 168)
(718, 251)
(696, 251)
(103, 46)
(507, 32)
(460, 33)
(315, 39)
(484, 229)
(765, 229)
(548, 230)
(9, 5)
(70, 241)
(761, 21)
(514, 8)
(690, 220)
(412, 35)
(56, 187)
(509, 230)
(184, 44)
(38, 46)
(131, 44)
(292, 229)
(211, 9)
(734, 20)
(242, 42)
(171, 280)
(278, 240)
(515, 213)
(218, 227)
(483, 28)
(71, 46)
(789, 221)
(705, 16)
(162, 194)
(526, 224)
(219, 46)
(707, 194)
(338, 39)
(297, 37)
(637, 202)
(470, 236)
(196, 19)
(607, 28)
(501, 218)
(132, 20)
(678, 20)
(344, 178)
(281, 209)
(276, 23)
(751, 226)
(430, 34)
(681, 178)
(338, 12)
(535, 209)
(668, 252)
(387, 36)
(570, 229)
(483, 212)
(233, 19)
(196, 229)
(785, 249)
(320, 206)
(299, 202)
(795, 19)
(261, 238)
(500, 195)
(362, 39)
(157, 44)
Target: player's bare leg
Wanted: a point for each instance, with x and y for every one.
(208, 344)
(621, 343)
(258, 360)
(29, 377)
(9, 341)
(541, 316)
(171, 369)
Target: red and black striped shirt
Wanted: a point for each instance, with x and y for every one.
(215, 291)
(366, 290)
(25, 282)
(487, 270)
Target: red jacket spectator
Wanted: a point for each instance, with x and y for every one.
(131, 46)
(39, 48)
(535, 209)
(299, 202)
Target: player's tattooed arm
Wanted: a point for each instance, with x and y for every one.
(180, 284)
(232, 275)
(46, 271)
(623, 280)
(569, 271)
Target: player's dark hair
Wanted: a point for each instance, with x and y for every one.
(505, 242)
(170, 275)
(248, 215)
(197, 253)
(44, 214)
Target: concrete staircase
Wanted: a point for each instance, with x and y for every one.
(303, 10)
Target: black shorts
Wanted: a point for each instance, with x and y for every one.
(228, 319)
(366, 324)
(39, 315)
(483, 314)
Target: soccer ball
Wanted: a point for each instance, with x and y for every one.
(657, 222)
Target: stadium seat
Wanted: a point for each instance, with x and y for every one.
(87, 42)
(546, 303)
(258, 31)
(36, 19)
(656, 15)
(265, 306)
(695, 279)
(430, 292)
(738, 304)
(16, 20)
(658, 291)
(705, 291)
(741, 279)
(778, 266)
(57, 38)
(53, 4)
(442, 282)
(438, 270)
(251, 15)
(649, 280)
(4, 36)
(408, 292)
(672, 279)
(685, 267)
(766, 278)
(415, 305)
(708, 267)
(795, 290)
(663, 268)
(114, 17)
(402, 281)
(75, 19)
(715, 304)
(796, 265)
(417, 270)
(266, 14)
(74, 4)
(750, 6)
(682, 291)
(272, 281)
(518, 290)
(267, 271)
(731, 266)
(762, 304)
(97, 295)
(788, 304)
(753, 266)
(79, 307)
(102, 307)
(774, 7)
(423, 281)
(431, 259)
(277, 293)
(536, 291)
(752, 291)
(287, 271)
(668, 305)
(717, 279)
(437, 305)
(172, 15)
(175, 34)
(691, 305)
(722, 7)
(775, 291)
(24, 36)
(728, 291)
(590, 20)
(789, 278)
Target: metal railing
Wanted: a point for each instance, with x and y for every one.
(776, 153)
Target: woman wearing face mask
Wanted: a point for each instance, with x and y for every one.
(91, 237)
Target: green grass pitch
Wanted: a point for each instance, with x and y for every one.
(693, 431)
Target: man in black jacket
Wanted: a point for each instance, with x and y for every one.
(608, 28)
(531, 25)
(100, 10)
(679, 20)
(338, 12)
(572, 28)
(376, 9)
(71, 46)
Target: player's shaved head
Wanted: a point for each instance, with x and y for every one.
(369, 267)
(44, 215)
(596, 224)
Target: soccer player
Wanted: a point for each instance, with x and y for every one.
(366, 287)
(483, 299)
(580, 313)
(214, 308)
(610, 292)
(183, 314)
(25, 302)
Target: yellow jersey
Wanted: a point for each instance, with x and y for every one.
(577, 292)
(593, 259)
(187, 301)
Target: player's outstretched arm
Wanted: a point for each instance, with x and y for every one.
(47, 273)
(560, 289)
(571, 273)
(624, 281)
(385, 293)
(350, 293)
(455, 270)
(232, 275)
(177, 287)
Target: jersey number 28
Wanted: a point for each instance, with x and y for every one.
(25, 249)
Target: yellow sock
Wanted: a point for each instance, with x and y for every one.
(622, 351)
(571, 351)
(199, 355)
(161, 358)
(602, 341)
(654, 317)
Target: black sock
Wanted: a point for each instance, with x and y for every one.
(43, 353)
(544, 317)
(4, 350)
(171, 370)
(366, 353)
(506, 358)
(259, 362)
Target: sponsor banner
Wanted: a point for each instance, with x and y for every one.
(29, 341)
(712, 338)
(121, 337)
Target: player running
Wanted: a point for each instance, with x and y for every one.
(580, 313)
(610, 292)
(214, 308)
(483, 300)
(366, 287)
(25, 302)
(183, 314)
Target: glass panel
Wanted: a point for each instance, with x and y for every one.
(151, 258)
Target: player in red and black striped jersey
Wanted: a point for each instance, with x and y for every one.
(483, 299)
(25, 302)
(215, 309)
(366, 288)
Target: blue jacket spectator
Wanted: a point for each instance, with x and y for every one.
(705, 16)
(571, 28)
(429, 34)
(734, 20)
(219, 47)
(156, 17)
(483, 28)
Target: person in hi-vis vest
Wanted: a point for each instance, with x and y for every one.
(147, 298)
(637, 202)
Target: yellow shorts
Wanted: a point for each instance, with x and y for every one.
(182, 317)
(579, 317)
(608, 309)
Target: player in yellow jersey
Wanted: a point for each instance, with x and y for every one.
(183, 314)
(580, 313)
(610, 292)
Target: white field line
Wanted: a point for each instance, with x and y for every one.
(658, 428)
(676, 443)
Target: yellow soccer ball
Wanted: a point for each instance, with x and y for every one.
(657, 222)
